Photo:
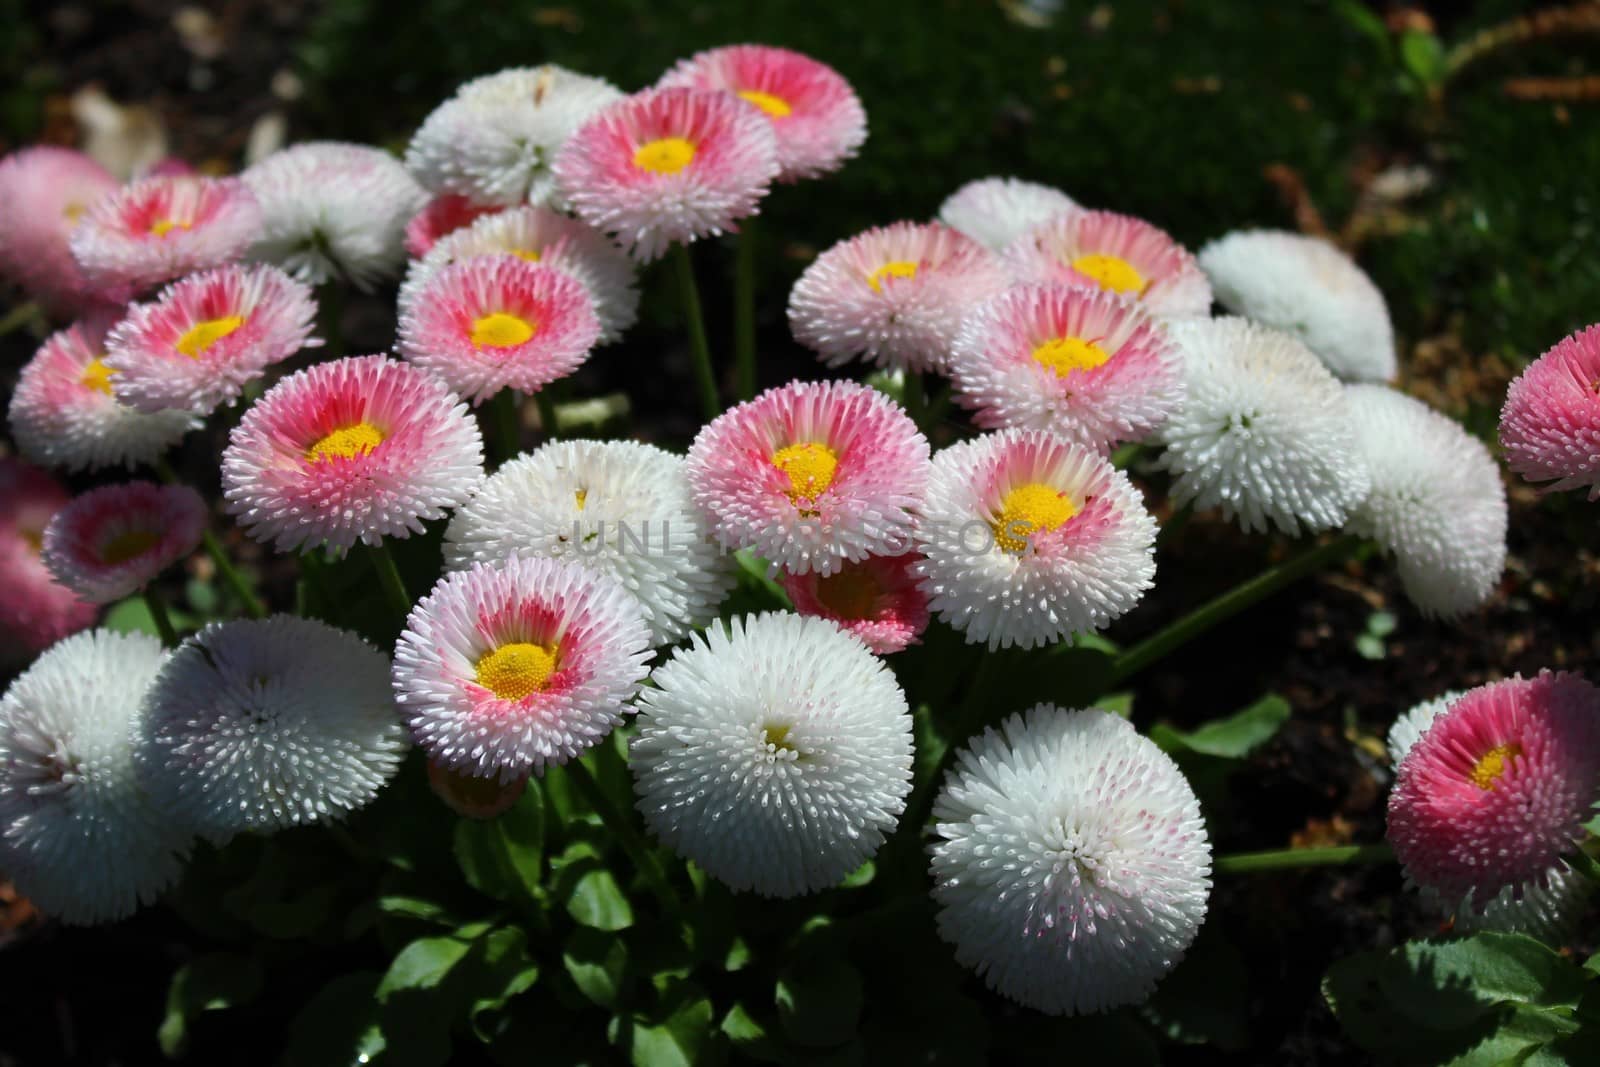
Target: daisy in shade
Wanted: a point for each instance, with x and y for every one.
(550, 239)
(44, 192)
(441, 216)
(114, 540)
(620, 508)
(358, 449)
(495, 140)
(334, 211)
(996, 211)
(775, 754)
(158, 229)
(1550, 425)
(894, 295)
(1118, 253)
(77, 834)
(1091, 366)
(1072, 869)
(36, 610)
(198, 344)
(263, 724)
(668, 166)
(474, 797)
(1308, 287)
(499, 322)
(504, 670)
(816, 116)
(1264, 430)
(877, 599)
(63, 413)
(1030, 538)
(811, 475)
(1497, 789)
(1437, 503)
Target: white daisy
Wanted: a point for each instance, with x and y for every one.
(996, 211)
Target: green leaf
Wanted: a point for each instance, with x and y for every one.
(1116, 703)
(206, 983)
(503, 856)
(1233, 737)
(1423, 57)
(422, 964)
(748, 1036)
(677, 1034)
(404, 907)
(590, 892)
(133, 616)
(597, 963)
(339, 1026)
(1206, 1000)
(819, 1002)
(498, 969)
(1364, 19)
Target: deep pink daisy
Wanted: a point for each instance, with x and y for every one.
(112, 541)
(894, 295)
(876, 599)
(1120, 253)
(811, 475)
(499, 322)
(1090, 365)
(36, 611)
(44, 193)
(1550, 425)
(358, 449)
(158, 229)
(1498, 788)
(197, 344)
(668, 166)
(443, 215)
(817, 117)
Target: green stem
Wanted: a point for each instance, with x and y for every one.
(330, 318)
(394, 587)
(507, 418)
(915, 400)
(744, 310)
(158, 611)
(1177, 634)
(1176, 522)
(1287, 858)
(547, 414)
(639, 852)
(689, 293)
(231, 577)
(19, 316)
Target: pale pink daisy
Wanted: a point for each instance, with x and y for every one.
(668, 166)
(36, 611)
(499, 322)
(811, 475)
(1498, 788)
(158, 229)
(440, 217)
(196, 345)
(503, 670)
(63, 413)
(996, 211)
(358, 449)
(877, 599)
(112, 541)
(1550, 424)
(894, 295)
(44, 192)
(817, 117)
(1120, 253)
(1090, 365)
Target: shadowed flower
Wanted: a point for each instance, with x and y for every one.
(114, 540)
(36, 610)
(876, 599)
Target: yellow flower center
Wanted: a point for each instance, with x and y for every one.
(514, 670)
(34, 539)
(1064, 355)
(899, 268)
(582, 496)
(529, 254)
(126, 546)
(1492, 764)
(502, 330)
(849, 594)
(202, 335)
(346, 442)
(1027, 510)
(810, 466)
(1111, 272)
(777, 735)
(776, 106)
(162, 227)
(72, 211)
(97, 376)
(667, 155)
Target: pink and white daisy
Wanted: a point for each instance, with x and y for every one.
(816, 116)
(668, 166)
(358, 449)
(1030, 538)
(196, 345)
(503, 670)
(1550, 424)
(36, 610)
(1499, 787)
(440, 217)
(996, 211)
(158, 229)
(544, 236)
(877, 599)
(63, 413)
(1104, 250)
(499, 322)
(811, 475)
(114, 540)
(1090, 365)
(894, 295)
(44, 192)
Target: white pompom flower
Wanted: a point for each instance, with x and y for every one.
(996, 211)
(1073, 868)
(775, 754)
